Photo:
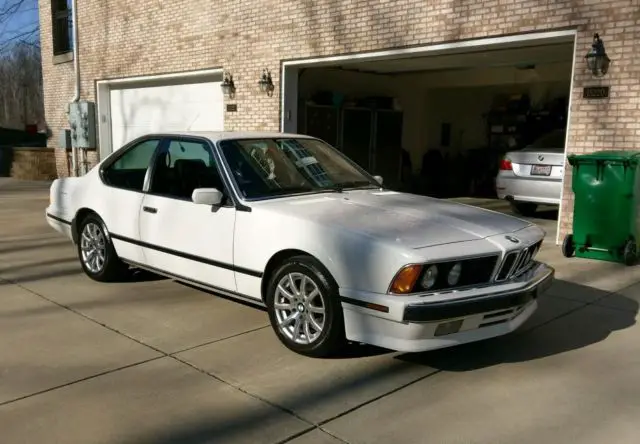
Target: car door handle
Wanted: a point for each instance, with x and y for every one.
(150, 210)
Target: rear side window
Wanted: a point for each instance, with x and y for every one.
(129, 170)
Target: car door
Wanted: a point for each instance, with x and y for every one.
(180, 237)
(119, 206)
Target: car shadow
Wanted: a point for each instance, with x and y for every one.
(546, 214)
(140, 275)
(565, 331)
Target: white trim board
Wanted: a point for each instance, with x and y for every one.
(566, 141)
(104, 87)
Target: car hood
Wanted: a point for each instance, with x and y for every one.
(409, 220)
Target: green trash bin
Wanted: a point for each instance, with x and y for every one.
(606, 185)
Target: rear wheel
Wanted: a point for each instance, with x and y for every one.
(527, 209)
(96, 252)
(568, 249)
(304, 308)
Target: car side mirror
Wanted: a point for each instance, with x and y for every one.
(207, 196)
(378, 179)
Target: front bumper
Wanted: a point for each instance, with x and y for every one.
(412, 324)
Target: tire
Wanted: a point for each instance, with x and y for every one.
(630, 254)
(526, 209)
(567, 246)
(93, 237)
(329, 338)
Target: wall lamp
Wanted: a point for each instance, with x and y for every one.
(266, 83)
(228, 87)
(597, 59)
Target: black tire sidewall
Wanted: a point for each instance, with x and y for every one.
(567, 246)
(332, 336)
(112, 265)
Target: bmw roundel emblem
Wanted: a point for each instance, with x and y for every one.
(512, 239)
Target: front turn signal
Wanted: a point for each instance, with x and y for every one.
(405, 280)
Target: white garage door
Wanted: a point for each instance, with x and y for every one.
(183, 107)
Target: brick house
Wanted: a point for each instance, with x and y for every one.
(444, 64)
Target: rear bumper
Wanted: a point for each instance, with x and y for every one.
(59, 224)
(522, 189)
(472, 315)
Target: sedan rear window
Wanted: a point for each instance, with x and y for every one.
(553, 140)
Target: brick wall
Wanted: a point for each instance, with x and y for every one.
(123, 38)
(32, 163)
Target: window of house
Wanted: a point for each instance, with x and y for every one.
(129, 170)
(62, 26)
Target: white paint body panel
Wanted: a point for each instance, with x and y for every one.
(136, 111)
(196, 230)
(363, 237)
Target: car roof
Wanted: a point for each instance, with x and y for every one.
(216, 136)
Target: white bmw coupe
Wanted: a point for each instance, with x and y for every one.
(288, 222)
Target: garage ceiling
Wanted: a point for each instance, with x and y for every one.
(516, 57)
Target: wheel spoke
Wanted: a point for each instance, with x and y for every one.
(314, 309)
(292, 285)
(283, 306)
(312, 295)
(284, 292)
(297, 328)
(315, 324)
(290, 319)
(307, 329)
(303, 286)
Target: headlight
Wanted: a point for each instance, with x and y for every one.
(454, 274)
(429, 278)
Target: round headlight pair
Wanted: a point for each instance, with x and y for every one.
(431, 275)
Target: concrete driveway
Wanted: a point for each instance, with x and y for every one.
(154, 361)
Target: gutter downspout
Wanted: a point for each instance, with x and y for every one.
(76, 69)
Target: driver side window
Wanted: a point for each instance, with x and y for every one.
(129, 170)
(183, 166)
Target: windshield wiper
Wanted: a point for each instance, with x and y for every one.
(291, 190)
(340, 187)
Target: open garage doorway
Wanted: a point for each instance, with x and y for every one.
(439, 120)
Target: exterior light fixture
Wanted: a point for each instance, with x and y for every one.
(228, 87)
(597, 59)
(265, 83)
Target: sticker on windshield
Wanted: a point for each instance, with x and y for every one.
(306, 161)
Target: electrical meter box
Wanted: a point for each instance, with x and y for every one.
(82, 120)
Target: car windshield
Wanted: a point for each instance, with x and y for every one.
(281, 166)
(551, 141)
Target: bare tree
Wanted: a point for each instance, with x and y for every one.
(21, 93)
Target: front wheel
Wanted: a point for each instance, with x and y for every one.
(304, 308)
(96, 252)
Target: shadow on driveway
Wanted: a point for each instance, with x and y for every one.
(576, 329)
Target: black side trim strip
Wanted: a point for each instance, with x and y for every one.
(369, 305)
(187, 256)
(58, 219)
(213, 288)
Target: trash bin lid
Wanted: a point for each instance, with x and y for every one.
(629, 157)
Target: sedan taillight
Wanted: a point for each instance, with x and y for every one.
(505, 165)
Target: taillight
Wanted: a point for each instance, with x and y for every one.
(505, 165)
